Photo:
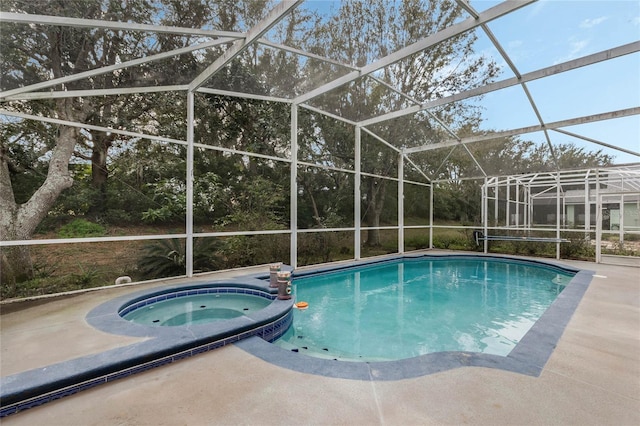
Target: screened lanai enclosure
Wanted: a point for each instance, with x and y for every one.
(598, 205)
(156, 138)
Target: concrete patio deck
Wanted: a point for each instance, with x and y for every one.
(593, 376)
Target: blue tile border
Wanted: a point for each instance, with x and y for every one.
(127, 309)
(528, 357)
(166, 345)
(253, 333)
(281, 324)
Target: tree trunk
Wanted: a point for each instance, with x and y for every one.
(99, 172)
(11, 258)
(15, 267)
(376, 189)
(19, 222)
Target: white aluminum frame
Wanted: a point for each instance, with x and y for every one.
(238, 42)
(608, 181)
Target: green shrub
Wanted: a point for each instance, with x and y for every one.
(79, 228)
(85, 277)
(578, 247)
(418, 242)
(459, 242)
(167, 258)
(632, 237)
(240, 250)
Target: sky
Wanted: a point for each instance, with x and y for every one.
(550, 32)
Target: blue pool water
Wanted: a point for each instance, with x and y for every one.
(403, 309)
(196, 309)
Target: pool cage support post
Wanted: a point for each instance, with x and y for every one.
(189, 177)
(485, 215)
(621, 224)
(496, 203)
(293, 190)
(530, 209)
(507, 219)
(517, 204)
(431, 215)
(356, 193)
(587, 207)
(558, 214)
(599, 218)
(401, 202)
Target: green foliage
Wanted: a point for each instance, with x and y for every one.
(248, 250)
(316, 247)
(77, 201)
(578, 248)
(85, 276)
(622, 249)
(167, 258)
(256, 204)
(418, 242)
(447, 238)
(170, 195)
(144, 180)
(79, 228)
(163, 214)
(322, 247)
(45, 282)
(240, 250)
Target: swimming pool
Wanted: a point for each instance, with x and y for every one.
(416, 306)
(528, 356)
(254, 331)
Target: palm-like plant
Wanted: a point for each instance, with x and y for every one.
(167, 258)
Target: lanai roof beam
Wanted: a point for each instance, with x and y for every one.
(518, 75)
(58, 94)
(275, 16)
(112, 25)
(445, 34)
(110, 68)
(530, 129)
(604, 55)
(617, 148)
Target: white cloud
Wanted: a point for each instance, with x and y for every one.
(590, 23)
(515, 44)
(636, 20)
(575, 49)
(577, 46)
(536, 9)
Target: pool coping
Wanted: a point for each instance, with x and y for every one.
(528, 357)
(163, 345)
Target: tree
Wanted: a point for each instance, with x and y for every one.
(457, 187)
(18, 221)
(361, 32)
(38, 53)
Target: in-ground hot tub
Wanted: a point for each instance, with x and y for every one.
(213, 312)
(196, 306)
(186, 333)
